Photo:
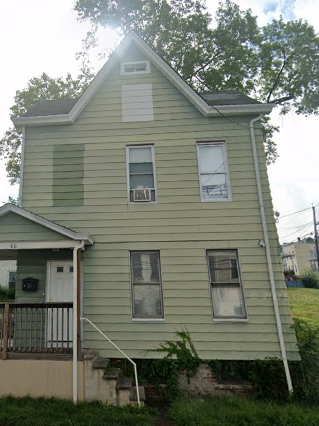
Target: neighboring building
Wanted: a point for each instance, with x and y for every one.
(166, 193)
(8, 273)
(298, 257)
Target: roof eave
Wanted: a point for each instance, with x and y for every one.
(245, 109)
(11, 208)
(42, 120)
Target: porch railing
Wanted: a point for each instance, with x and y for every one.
(36, 328)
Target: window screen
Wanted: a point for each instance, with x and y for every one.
(213, 171)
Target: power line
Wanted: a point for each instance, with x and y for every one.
(290, 228)
(299, 211)
(298, 230)
(298, 215)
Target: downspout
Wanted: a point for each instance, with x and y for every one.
(22, 167)
(75, 323)
(269, 261)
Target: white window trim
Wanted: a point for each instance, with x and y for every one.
(131, 287)
(128, 173)
(224, 145)
(132, 63)
(230, 319)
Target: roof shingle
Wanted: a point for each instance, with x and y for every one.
(56, 107)
(64, 106)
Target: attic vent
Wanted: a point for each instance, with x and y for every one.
(138, 67)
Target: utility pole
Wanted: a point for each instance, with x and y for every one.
(316, 235)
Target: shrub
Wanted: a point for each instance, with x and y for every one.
(310, 279)
(6, 294)
(307, 336)
(308, 343)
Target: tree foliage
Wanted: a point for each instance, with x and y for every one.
(38, 89)
(277, 63)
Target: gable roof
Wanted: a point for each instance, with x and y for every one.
(11, 208)
(64, 106)
(57, 115)
(55, 107)
(228, 97)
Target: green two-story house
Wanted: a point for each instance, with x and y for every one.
(145, 208)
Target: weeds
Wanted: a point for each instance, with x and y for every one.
(236, 411)
(59, 412)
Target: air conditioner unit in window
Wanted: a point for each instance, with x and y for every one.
(142, 195)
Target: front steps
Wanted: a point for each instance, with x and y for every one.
(104, 384)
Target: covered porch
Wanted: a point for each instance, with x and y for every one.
(44, 319)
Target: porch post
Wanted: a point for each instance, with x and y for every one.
(75, 320)
(79, 292)
(5, 330)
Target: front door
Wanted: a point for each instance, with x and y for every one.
(59, 289)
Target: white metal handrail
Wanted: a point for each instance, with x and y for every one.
(123, 353)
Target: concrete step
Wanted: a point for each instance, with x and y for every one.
(124, 383)
(112, 374)
(89, 354)
(100, 363)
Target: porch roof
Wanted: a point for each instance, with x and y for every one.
(22, 229)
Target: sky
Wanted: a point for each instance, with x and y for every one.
(43, 36)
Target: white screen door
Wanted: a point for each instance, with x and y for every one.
(59, 289)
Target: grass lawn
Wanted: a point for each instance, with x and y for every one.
(304, 304)
(235, 411)
(58, 412)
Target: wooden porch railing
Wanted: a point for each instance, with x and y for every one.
(36, 328)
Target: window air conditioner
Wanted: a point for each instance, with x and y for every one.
(142, 195)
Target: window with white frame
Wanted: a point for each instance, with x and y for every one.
(141, 179)
(213, 171)
(226, 287)
(136, 67)
(146, 284)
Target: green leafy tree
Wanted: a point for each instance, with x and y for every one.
(38, 89)
(278, 63)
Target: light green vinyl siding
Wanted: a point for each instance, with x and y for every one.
(179, 224)
(68, 192)
(15, 228)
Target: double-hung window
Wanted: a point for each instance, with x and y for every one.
(141, 173)
(146, 285)
(213, 171)
(226, 287)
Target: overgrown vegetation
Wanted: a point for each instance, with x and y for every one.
(308, 343)
(310, 279)
(304, 305)
(267, 376)
(7, 294)
(235, 411)
(180, 355)
(58, 412)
